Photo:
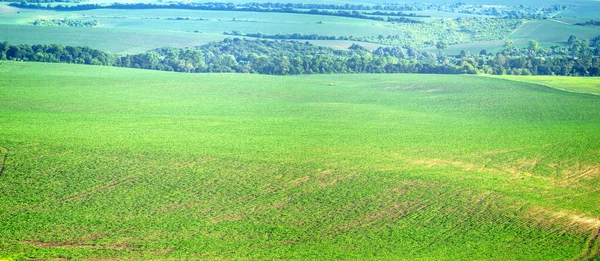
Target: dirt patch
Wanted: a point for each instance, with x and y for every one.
(431, 163)
(565, 220)
(577, 174)
(299, 181)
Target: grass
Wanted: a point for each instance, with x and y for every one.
(583, 10)
(573, 84)
(549, 31)
(131, 31)
(5, 9)
(129, 41)
(131, 164)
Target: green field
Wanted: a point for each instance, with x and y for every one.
(573, 84)
(102, 162)
(550, 31)
(134, 31)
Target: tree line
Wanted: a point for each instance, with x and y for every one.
(47, 1)
(590, 23)
(347, 10)
(579, 58)
(66, 22)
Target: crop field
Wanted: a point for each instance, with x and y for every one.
(133, 31)
(583, 10)
(589, 85)
(124, 41)
(102, 162)
(550, 31)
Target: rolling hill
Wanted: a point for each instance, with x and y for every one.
(101, 162)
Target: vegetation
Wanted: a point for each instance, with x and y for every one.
(450, 31)
(573, 84)
(46, 1)
(417, 25)
(107, 163)
(590, 23)
(138, 164)
(419, 34)
(66, 22)
(354, 11)
(291, 57)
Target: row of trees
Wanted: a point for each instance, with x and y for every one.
(66, 22)
(517, 11)
(213, 7)
(55, 54)
(47, 1)
(293, 57)
(590, 23)
(323, 9)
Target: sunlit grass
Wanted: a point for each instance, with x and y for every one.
(572, 84)
(120, 163)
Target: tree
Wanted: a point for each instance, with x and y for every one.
(508, 46)
(441, 46)
(533, 47)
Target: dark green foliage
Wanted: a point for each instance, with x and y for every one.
(55, 54)
(66, 22)
(293, 57)
(395, 14)
(327, 9)
(590, 23)
(46, 1)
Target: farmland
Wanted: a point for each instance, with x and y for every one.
(589, 85)
(158, 130)
(102, 162)
(126, 30)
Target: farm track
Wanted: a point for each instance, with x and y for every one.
(561, 22)
(592, 249)
(484, 205)
(516, 29)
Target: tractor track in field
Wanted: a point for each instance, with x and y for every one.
(484, 206)
(592, 248)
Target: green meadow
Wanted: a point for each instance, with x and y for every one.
(101, 162)
(589, 85)
(552, 32)
(135, 31)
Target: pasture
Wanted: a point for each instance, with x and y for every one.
(134, 31)
(573, 84)
(552, 32)
(102, 162)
